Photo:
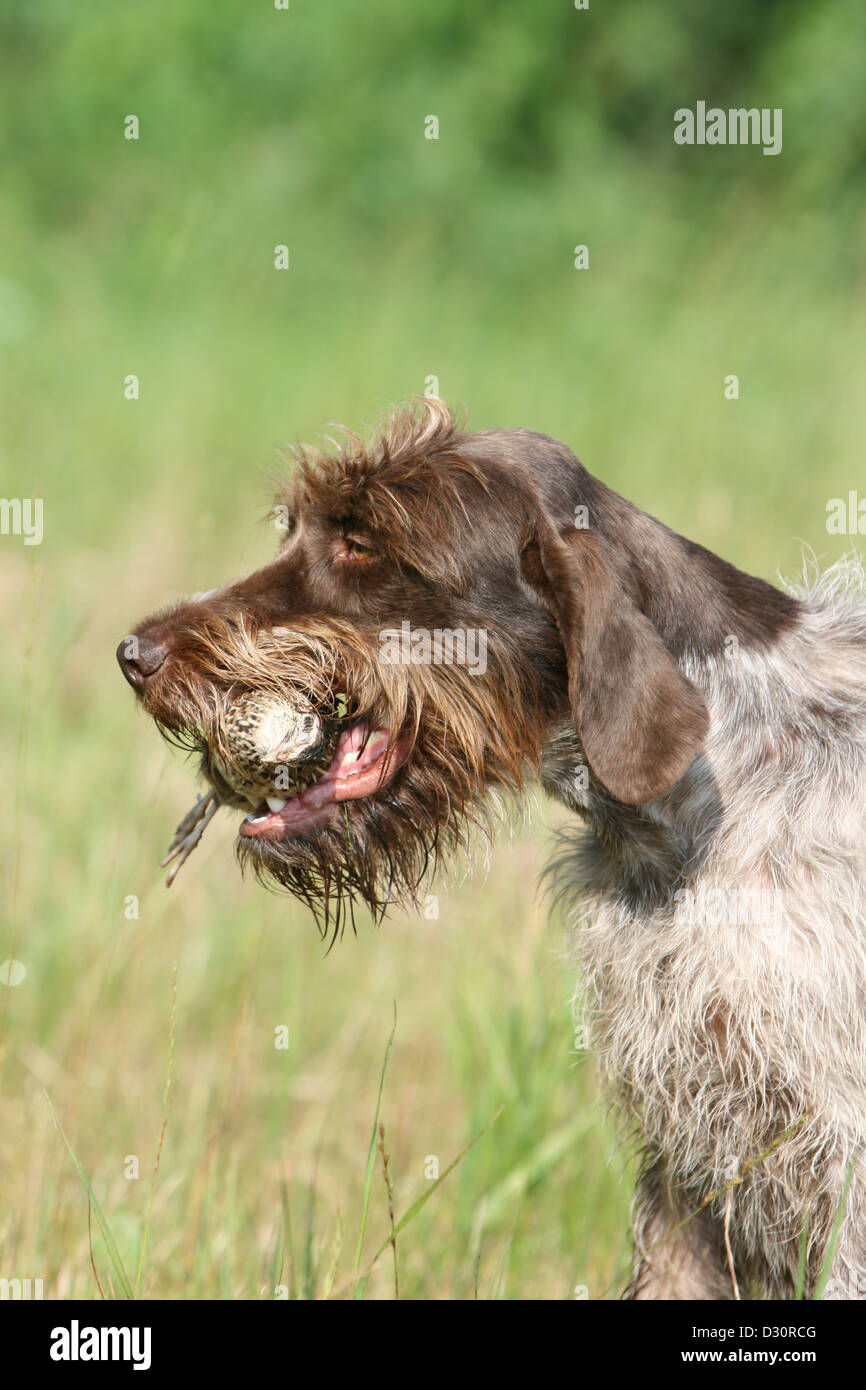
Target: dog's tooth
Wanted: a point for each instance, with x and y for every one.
(275, 803)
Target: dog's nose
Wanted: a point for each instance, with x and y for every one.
(140, 657)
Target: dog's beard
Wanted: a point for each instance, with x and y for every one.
(376, 848)
(377, 851)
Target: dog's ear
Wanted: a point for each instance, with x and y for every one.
(639, 719)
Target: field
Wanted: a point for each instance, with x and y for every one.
(147, 1020)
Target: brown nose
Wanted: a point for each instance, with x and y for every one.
(138, 658)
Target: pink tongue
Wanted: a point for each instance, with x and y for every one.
(364, 765)
(359, 768)
(357, 747)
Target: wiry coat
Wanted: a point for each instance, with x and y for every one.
(723, 949)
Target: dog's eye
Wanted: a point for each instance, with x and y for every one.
(352, 549)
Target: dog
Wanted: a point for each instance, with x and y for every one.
(707, 730)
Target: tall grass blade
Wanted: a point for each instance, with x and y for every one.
(371, 1160)
(101, 1222)
(834, 1236)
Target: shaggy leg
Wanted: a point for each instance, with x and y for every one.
(674, 1260)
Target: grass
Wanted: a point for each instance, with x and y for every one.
(538, 1207)
(482, 993)
(408, 259)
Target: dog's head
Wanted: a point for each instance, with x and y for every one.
(437, 608)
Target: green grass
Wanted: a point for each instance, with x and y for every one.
(408, 259)
(255, 1132)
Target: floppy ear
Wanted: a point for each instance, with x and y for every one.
(639, 719)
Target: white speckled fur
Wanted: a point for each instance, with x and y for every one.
(717, 1036)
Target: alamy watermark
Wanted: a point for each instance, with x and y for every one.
(443, 646)
(728, 907)
(846, 516)
(77, 1343)
(737, 126)
(20, 1290)
(22, 516)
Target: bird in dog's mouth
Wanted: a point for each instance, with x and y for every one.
(278, 756)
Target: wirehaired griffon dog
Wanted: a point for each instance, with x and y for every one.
(708, 731)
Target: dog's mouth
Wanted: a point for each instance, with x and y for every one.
(290, 766)
(364, 762)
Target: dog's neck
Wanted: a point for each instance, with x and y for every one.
(647, 849)
(709, 615)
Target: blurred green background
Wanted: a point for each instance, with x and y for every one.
(409, 259)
